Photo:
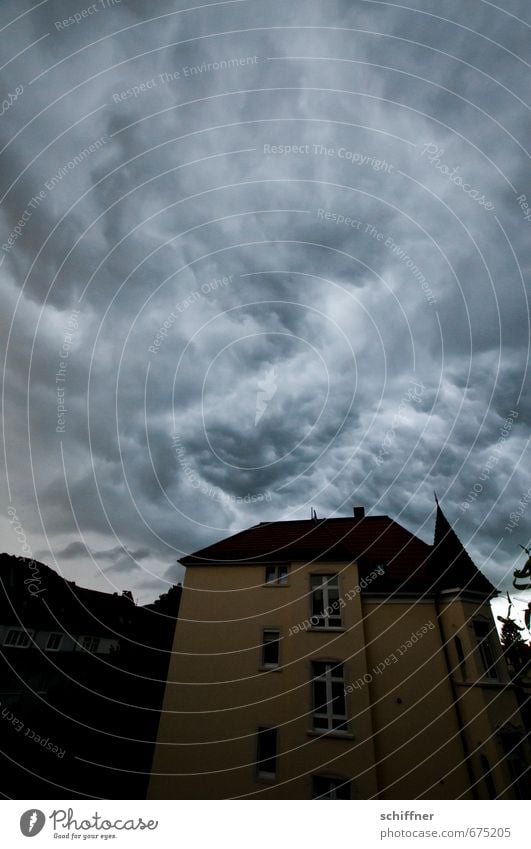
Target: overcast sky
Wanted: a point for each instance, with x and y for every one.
(258, 258)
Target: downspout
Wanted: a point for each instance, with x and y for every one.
(458, 714)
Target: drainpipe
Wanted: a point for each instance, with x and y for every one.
(459, 717)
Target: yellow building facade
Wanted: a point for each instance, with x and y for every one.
(337, 658)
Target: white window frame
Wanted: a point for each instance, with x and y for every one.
(24, 644)
(329, 581)
(325, 712)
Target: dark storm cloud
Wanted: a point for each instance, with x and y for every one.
(285, 296)
(77, 549)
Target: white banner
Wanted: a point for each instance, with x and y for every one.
(233, 824)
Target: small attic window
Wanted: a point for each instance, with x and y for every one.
(276, 575)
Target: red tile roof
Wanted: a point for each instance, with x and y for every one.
(371, 540)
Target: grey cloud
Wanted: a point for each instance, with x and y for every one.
(341, 310)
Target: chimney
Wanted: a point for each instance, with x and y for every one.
(359, 512)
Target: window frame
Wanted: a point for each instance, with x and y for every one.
(28, 634)
(338, 781)
(324, 587)
(85, 637)
(265, 642)
(265, 774)
(48, 647)
(336, 723)
(461, 660)
(280, 575)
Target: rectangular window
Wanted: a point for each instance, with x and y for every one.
(266, 752)
(460, 656)
(18, 638)
(482, 632)
(270, 648)
(54, 642)
(330, 788)
(326, 611)
(90, 644)
(276, 575)
(329, 704)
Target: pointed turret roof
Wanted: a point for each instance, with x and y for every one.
(453, 564)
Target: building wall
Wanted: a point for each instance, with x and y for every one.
(231, 607)
(405, 739)
(488, 705)
(418, 748)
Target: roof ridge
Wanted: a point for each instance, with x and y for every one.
(319, 521)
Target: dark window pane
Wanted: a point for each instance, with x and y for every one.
(338, 698)
(54, 641)
(270, 575)
(267, 751)
(319, 696)
(270, 648)
(330, 788)
(317, 603)
(282, 574)
(318, 600)
(333, 603)
(333, 599)
(320, 787)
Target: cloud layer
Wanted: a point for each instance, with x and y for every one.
(258, 258)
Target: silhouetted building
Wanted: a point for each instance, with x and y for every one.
(82, 676)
